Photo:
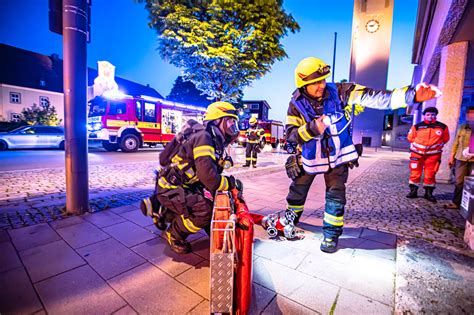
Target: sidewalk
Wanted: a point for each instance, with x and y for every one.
(396, 255)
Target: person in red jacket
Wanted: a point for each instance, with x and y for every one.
(427, 139)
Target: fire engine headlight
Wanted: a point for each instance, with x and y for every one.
(97, 126)
(241, 139)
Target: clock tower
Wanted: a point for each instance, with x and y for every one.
(370, 50)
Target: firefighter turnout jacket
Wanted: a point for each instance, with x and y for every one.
(334, 147)
(196, 161)
(254, 134)
(428, 138)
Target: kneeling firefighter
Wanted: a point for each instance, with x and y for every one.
(253, 143)
(191, 174)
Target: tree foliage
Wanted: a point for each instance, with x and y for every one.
(44, 114)
(221, 45)
(185, 92)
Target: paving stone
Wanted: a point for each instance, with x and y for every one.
(32, 236)
(325, 268)
(103, 218)
(276, 277)
(127, 310)
(78, 291)
(279, 252)
(281, 305)
(110, 258)
(8, 258)
(197, 279)
(50, 259)
(62, 223)
(129, 233)
(376, 249)
(316, 294)
(349, 302)
(82, 234)
(261, 297)
(18, 295)
(202, 309)
(381, 237)
(158, 253)
(137, 217)
(123, 209)
(151, 291)
(201, 247)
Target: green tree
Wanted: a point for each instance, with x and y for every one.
(185, 92)
(221, 45)
(44, 114)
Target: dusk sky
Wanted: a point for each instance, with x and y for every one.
(120, 35)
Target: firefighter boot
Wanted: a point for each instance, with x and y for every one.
(429, 194)
(152, 208)
(329, 245)
(413, 191)
(246, 165)
(177, 244)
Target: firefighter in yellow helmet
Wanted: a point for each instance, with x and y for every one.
(191, 174)
(254, 134)
(319, 120)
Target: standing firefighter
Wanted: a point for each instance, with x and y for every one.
(427, 140)
(254, 133)
(318, 119)
(191, 174)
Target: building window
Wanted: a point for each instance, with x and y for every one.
(44, 100)
(254, 106)
(15, 117)
(15, 98)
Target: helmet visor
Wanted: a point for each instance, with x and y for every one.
(231, 128)
(317, 74)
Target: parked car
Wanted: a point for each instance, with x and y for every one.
(32, 137)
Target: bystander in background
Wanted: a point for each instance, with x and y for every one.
(461, 157)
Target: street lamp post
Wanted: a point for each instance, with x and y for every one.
(75, 21)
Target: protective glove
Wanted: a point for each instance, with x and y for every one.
(318, 125)
(426, 92)
(358, 109)
(293, 169)
(235, 183)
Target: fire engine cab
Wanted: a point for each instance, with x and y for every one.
(274, 133)
(127, 122)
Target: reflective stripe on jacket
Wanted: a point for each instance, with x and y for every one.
(428, 137)
(335, 147)
(197, 161)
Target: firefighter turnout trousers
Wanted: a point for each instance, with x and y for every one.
(335, 180)
(192, 211)
(429, 163)
(251, 151)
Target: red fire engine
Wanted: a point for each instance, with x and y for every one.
(274, 133)
(127, 123)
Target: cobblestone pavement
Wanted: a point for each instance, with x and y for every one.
(376, 199)
(34, 196)
(117, 261)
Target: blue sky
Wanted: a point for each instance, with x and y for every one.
(120, 34)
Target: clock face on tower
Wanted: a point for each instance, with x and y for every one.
(372, 26)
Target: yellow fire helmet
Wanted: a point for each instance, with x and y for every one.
(218, 110)
(311, 70)
(252, 120)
